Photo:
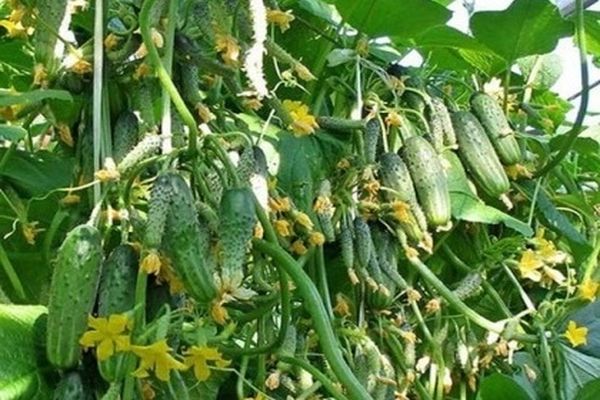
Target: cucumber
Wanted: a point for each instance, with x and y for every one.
(187, 243)
(469, 286)
(363, 241)
(117, 296)
(72, 294)
(142, 99)
(145, 149)
(346, 245)
(395, 175)
(125, 135)
(372, 134)
(324, 210)
(190, 79)
(491, 115)
(496, 126)
(440, 118)
(70, 387)
(478, 155)
(238, 216)
(159, 205)
(429, 179)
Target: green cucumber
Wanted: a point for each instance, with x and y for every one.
(125, 135)
(372, 134)
(429, 179)
(187, 243)
(324, 210)
(478, 155)
(346, 245)
(72, 294)
(496, 126)
(238, 217)
(70, 387)
(469, 286)
(363, 241)
(159, 206)
(117, 296)
(145, 149)
(439, 117)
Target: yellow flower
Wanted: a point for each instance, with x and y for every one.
(323, 206)
(107, 335)
(372, 187)
(204, 113)
(304, 220)
(156, 357)
(576, 335)
(107, 175)
(401, 211)
(40, 76)
(298, 247)
(70, 199)
(303, 123)
(280, 18)
(393, 119)
(343, 164)
(552, 274)
(228, 47)
(517, 171)
(218, 312)
(303, 72)
(14, 29)
(64, 133)
(588, 289)
(151, 263)
(342, 305)
(530, 264)
(258, 231)
(280, 204)
(282, 227)
(199, 356)
(141, 71)
(30, 231)
(111, 41)
(316, 238)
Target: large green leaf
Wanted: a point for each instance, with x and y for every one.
(500, 387)
(36, 174)
(12, 133)
(577, 369)
(589, 391)
(592, 32)
(444, 45)
(525, 28)
(467, 206)
(8, 98)
(19, 374)
(405, 19)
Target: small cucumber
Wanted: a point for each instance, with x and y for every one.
(439, 117)
(72, 294)
(478, 155)
(429, 179)
(125, 135)
(159, 206)
(146, 148)
(372, 135)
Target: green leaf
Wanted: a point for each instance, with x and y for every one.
(12, 133)
(8, 98)
(589, 391)
(556, 220)
(591, 22)
(577, 369)
(19, 374)
(551, 110)
(588, 316)
(444, 44)
(467, 206)
(550, 69)
(36, 174)
(403, 19)
(319, 9)
(587, 142)
(525, 28)
(500, 387)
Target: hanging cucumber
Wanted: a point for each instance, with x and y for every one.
(145, 149)
(72, 294)
(440, 124)
(125, 135)
(478, 155)
(429, 179)
(496, 126)
(372, 135)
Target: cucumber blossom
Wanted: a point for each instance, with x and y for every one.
(72, 294)
(429, 179)
(478, 155)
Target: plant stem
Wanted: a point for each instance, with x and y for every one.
(163, 75)
(166, 126)
(585, 91)
(11, 274)
(97, 88)
(329, 343)
(321, 377)
(545, 351)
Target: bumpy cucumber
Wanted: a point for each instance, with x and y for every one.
(146, 148)
(496, 126)
(363, 241)
(116, 296)
(491, 115)
(190, 78)
(125, 135)
(187, 243)
(325, 210)
(72, 294)
(372, 135)
(469, 286)
(429, 179)
(159, 206)
(238, 216)
(346, 245)
(440, 118)
(70, 387)
(478, 155)
(46, 34)
(142, 100)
